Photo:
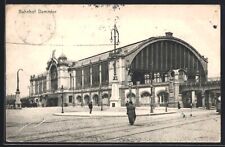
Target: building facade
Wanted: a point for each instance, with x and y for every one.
(149, 72)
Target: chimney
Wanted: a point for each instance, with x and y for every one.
(169, 34)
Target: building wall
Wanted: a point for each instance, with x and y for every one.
(150, 60)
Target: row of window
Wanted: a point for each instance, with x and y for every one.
(95, 75)
(39, 87)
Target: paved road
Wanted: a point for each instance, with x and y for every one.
(203, 126)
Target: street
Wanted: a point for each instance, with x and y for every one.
(42, 126)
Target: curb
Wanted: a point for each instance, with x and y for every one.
(124, 115)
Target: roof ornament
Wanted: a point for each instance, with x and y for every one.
(53, 53)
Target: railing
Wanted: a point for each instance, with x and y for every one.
(197, 83)
(211, 83)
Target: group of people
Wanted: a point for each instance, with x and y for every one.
(131, 111)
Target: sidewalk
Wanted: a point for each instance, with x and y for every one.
(116, 112)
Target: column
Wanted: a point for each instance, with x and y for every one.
(90, 76)
(74, 77)
(91, 97)
(137, 97)
(38, 86)
(82, 77)
(31, 88)
(74, 87)
(153, 95)
(82, 99)
(48, 82)
(154, 77)
(160, 77)
(157, 101)
(100, 73)
(209, 101)
(193, 98)
(203, 98)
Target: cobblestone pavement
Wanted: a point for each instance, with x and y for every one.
(39, 125)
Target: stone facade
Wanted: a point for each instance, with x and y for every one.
(157, 66)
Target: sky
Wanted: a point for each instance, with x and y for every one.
(80, 31)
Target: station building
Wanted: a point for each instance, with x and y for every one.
(148, 72)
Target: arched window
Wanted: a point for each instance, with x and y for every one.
(79, 98)
(105, 96)
(86, 99)
(96, 99)
(130, 95)
(54, 78)
(145, 94)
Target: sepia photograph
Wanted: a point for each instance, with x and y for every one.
(112, 73)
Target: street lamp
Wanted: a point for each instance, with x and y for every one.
(129, 82)
(151, 96)
(81, 98)
(100, 95)
(130, 92)
(62, 98)
(191, 106)
(166, 99)
(18, 102)
(18, 90)
(115, 38)
(72, 77)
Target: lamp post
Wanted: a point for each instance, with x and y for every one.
(130, 92)
(115, 38)
(62, 98)
(18, 90)
(18, 102)
(191, 106)
(166, 99)
(72, 77)
(81, 98)
(129, 82)
(74, 100)
(151, 96)
(100, 95)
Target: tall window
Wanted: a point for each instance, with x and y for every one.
(32, 87)
(95, 74)
(40, 86)
(44, 85)
(54, 78)
(87, 76)
(36, 87)
(79, 78)
(70, 99)
(105, 73)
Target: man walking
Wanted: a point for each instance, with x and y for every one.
(90, 106)
(127, 104)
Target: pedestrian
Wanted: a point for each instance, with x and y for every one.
(127, 103)
(131, 113)
(179, 108)
(90, 106)
(191, 109)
